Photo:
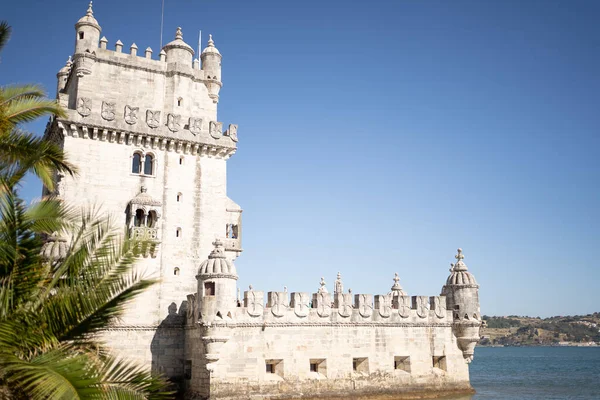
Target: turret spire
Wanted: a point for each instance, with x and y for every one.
(179, 34)
(90, 12)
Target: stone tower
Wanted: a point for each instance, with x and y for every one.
(144, 135)
(462, 298)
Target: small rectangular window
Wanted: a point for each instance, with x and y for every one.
(209, 288)
(274, 367)
(402, 363)
(439, 362)
(319, 366)
(360, 365)
(80, 35)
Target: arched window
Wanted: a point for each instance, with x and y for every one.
(151, 219)
(181, 160)
(149, 165)
(179, 102)
(136, 165)
(179, 197)
(139, 218)
(176, 271)
(178, 232)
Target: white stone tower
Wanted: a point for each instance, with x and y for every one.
(462, 297)
(144, 135)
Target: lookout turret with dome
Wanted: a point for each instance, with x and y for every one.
(462, 298)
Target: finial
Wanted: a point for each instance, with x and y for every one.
(90, 12)
(285, 289)
(322, 289)
(69, 62)
(459, 256)
(451, 267)
(178, 34)
(396, 288)
(210, 41)
(143, 189)
(339, 286)
(217, 243)
(249, 287)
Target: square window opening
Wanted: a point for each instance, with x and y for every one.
(274, 367)
(81, 35)
(360, 365)
(402, 363)
(318, 365)
(439, 362)
(209, 288)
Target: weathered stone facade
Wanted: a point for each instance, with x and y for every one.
(144, 135)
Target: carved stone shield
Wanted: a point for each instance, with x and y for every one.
(384, 305)
(439, 306)
(153, 118)
(365, 309)
(345, 304)
(404, 306)
(254, 306)
(233, 132)
(195, 125)
(84, 106)
(131, 114)
(108, 110)
(323, 305)
(277, 304)
(216, 129)
(422, 306)
(300, 304)
(174, 122)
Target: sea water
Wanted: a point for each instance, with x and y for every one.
(536, 373)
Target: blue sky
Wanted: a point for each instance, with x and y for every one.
(377, 137)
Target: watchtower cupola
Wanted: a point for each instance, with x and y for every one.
(179, 51)
(88, 31)
(211, 65)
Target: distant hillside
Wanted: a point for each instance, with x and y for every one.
(527, 331)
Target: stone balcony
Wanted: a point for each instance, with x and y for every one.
(147, 239)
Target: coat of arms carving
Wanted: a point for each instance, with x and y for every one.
(439, 304)
(254, 305)
(385, 305)
(232, 132)
(403, 306)
(323, 304)
(84, 106)
(300, 304)
(108, 110)
(174, 122)
(422, 306)
(216, 129)
(152, 118)
(344, 304)
(365, 309)
(195, 125)
(278, 306)
(131, 114)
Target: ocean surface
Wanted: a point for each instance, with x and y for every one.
(537, 373)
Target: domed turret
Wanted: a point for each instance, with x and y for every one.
(63, 75)
(462, 297)
(217, 278)
(179, 51)
(211, 65)
(88, 32)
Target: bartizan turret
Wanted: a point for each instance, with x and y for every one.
(462, 297)
(217, 301)
(211, 65)
(87, 32)
(178, 51)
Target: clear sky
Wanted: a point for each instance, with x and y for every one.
(377, 137)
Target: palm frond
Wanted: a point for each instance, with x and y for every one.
(27, 109)
(5, 31)
(14, 92)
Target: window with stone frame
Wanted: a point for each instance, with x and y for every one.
(209, 288)
(318, 365)
(149, 164)
(402, 363)
(136, 163)
(274, 367)
(439, 362)
(360, 365)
